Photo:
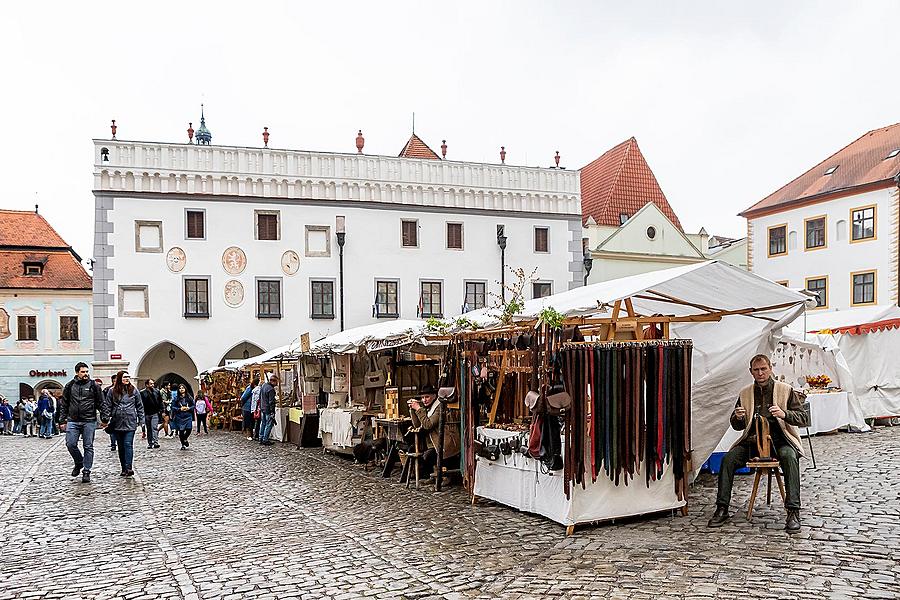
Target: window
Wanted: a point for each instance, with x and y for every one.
(815, 233)
(148, 236)
(322, 304)
(830, 170)
(651, 232)
(267, 225)
(387, 303)
(863, 287)
(455, 236)
(318, 241)
(476, 293)
(540, 289)
(819, 287)
(409, 234)
(196, 298)
(28, 328)
(195, 224)
(863, 220)
(778, 240)
(430, 299)
(784, 283)
(541, 239)
(893, 153)
(68, 329)
(32, 269)
(268, 298)
(623, 217)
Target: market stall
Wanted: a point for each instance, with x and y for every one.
(625, 447)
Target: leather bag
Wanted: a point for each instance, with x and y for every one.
(534, 436)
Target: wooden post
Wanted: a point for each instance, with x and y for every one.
(500, 378)
(611, 334)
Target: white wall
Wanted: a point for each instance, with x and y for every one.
(373, 250)
(841, 257)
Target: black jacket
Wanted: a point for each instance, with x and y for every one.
(152, 400)
(80, 401)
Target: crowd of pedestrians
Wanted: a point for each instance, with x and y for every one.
(121, 409)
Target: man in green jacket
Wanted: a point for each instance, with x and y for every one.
(782, 407)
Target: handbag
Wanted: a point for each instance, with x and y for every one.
(374, 379)
(534, 436)
(558, 400)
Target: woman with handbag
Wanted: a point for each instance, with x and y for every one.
(202, 408)
(121, 412)
(183, 415)
(45, 411)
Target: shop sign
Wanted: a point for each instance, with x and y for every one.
(36, 373)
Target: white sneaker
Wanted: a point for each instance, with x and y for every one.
(250, 437)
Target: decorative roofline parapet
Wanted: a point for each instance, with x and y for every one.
(125, 166)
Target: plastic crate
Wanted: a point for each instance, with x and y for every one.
(714, 464)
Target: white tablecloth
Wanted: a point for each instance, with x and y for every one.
(827, 411)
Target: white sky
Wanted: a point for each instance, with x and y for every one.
(727, 102)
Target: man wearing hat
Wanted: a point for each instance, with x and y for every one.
(426, 416)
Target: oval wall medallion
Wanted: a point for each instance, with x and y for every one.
(234, 261)
(290, 262)
(175, 259)
(234, 293)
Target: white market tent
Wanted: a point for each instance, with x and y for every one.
(259, 359)
(870, 353)
(755, 309)
(383, 335)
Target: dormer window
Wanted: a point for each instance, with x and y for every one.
(830, 170)
(33, 269)
(623, 217)
(893, 153)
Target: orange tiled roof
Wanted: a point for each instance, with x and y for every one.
(62, 271)
(28, 228)
(620, 181)
(862, 162)
(416, 148)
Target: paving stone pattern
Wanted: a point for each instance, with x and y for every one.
(230, 519)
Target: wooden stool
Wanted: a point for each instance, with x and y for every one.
(769, 467)
(415, 455)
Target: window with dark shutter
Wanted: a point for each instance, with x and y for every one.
(409, 234)
(454, 236)
(266, 226)
(541, 236)
(196, 229)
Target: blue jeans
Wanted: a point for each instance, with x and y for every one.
(46, 427)
(125, 443)
(265, 427)
(85, 430)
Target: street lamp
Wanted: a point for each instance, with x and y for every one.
(171, 353)
(501, 241)
(588, 264)
(340, 231)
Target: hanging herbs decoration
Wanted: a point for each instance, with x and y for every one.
(551, 318)
(437, 325)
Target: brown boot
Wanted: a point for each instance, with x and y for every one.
(719, 517)
(792, 524)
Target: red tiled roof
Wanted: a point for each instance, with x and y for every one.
(416, 148)
(28, 228)
(61, 271)
(620, 181)
(862, 162)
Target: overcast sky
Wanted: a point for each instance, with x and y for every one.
(728, 101)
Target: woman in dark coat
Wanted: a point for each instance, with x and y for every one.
(183, 415)
(122, 410)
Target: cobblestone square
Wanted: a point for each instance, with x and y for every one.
(229, 519)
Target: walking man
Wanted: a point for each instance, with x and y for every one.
(780, 405)
(153, 408)
(79, 406)
(267, 409)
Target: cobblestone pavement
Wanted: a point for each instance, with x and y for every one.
(231, 520)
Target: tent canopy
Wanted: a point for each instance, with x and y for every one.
(386, 335)
(852, 317)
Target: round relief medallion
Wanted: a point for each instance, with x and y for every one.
(290, 262)
(234, 260)
(234, 292)
(175, 259)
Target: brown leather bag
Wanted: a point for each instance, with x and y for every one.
(534, 436)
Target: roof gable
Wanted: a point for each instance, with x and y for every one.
(632, 236)
(416, 148)
(862, 162)
(621, 182)
(28, 228)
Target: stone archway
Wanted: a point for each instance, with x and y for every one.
(241, 351)
(25, 391)
(168, 378)
(166, 358)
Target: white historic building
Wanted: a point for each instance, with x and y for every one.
(210, 253)
(833, 230)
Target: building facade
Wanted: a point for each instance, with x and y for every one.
(206, 254)
(45, 307)
(834, 229)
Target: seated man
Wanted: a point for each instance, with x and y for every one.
(780, 404)
(426, 416)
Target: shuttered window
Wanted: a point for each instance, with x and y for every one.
(266, 226)
(409, 234)
(454, 236)
(541, 239)
(196, 228)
